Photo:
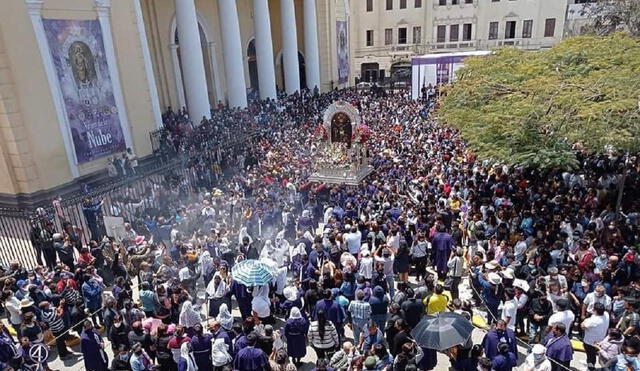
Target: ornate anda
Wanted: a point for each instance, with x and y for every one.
(338, 159)
(344, 107)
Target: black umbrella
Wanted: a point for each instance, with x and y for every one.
(442, 331)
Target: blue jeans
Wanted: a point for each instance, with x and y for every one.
(358, 328)
(391, 284)
(534, 328)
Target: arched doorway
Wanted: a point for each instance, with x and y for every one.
(301, 71)
(206, 60)
(254, 83)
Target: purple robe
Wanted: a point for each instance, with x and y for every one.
(559, 348)
(295, 330)
(332, 311)
(201, 346)
(224, 335)
(95, 359)
(251, 359)
(493, 338)
(442, 244)
(243, 297)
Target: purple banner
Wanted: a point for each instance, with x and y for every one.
(343, 51)
(80, 61)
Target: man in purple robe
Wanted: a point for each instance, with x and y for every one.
(442, 244)
(243, 297)
(217, 332)
(251, 358)
(497, 335)
(559, 347)
(92, 346)
(201, 345)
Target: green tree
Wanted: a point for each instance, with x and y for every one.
(610, 16)
(536, 108)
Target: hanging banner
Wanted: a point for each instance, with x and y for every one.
(343, 51)
(78, 54)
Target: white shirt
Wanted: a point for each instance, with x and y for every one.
(595, 328)
(591, 299)
(510, 309)
(565, 317)
(366, 267)
(353, 241)
(13, 306)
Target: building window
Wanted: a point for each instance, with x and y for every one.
(418, 4)
(454, 32)
(369, 37)
(402, 35)
(455, 2)
(441, 34)
(495, 1)
(403, 4)
(442, 2)
(510, 30)
(493, 30)
(468, 1)
(388, 36)
(466, 32)
(389, 4)
(369, 5)
(527, 27)
(417, 35)
(549, 27)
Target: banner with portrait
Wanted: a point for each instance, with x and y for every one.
(77, 51)
(343, 51)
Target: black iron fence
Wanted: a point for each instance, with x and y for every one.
(20, 230)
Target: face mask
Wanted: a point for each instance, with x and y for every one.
(599, 295)
(538, 357)
(117, 324)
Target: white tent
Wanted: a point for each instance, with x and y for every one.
(436, 68)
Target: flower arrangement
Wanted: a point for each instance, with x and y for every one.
(333, 155)
(320, 132)
(361, 134)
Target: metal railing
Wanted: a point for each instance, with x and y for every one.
(127, 197)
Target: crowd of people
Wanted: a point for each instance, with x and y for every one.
(546, 256)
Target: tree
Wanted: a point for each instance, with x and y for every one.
(613, 15)
(536, 108)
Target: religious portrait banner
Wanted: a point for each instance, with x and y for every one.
(77, 51)
(343, 51)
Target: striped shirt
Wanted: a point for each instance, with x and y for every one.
(71, 296)
(51, 318)
(360, 311)
(330, 338)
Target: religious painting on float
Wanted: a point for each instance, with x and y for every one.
(341, 129)
(78, 54)
(343, 51)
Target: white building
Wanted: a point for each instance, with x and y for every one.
(386, 33)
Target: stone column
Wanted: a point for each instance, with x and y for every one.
(312, 56)
(264, 49)
(216, 72)
(148, 67)
(232, 53)
(195, 79)
(177, 73)
(289, 47)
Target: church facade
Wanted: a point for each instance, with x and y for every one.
(83, 80)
